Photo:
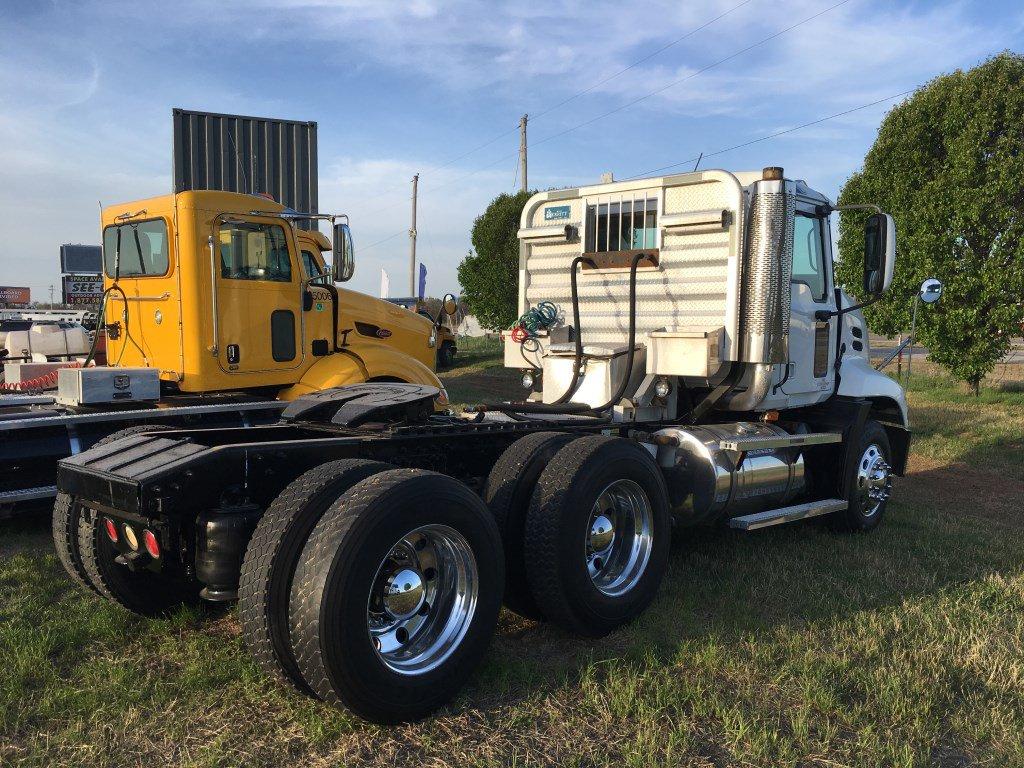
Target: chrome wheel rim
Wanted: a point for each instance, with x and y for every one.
(874, 480)
(422, 599)
(619, 538)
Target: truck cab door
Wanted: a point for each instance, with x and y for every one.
(259, 299)
(810, 376)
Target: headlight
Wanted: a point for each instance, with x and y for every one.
(432, 340)
(662, 387)
(528, 380)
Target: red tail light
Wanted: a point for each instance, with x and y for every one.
(150, 542)
(111, 529)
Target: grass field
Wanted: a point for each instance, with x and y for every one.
(793, 646)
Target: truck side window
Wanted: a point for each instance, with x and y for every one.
(312, 268)
(252, 251)
(123, 242)
(809, 255)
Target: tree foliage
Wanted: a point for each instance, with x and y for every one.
(489, 275)
(948, 164)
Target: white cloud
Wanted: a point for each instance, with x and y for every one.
(86, 106)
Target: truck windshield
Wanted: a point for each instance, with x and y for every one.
(135, 249)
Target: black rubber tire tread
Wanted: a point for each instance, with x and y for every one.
(143, 592)
(508, 491)
(271, 557)
(851, 520)
(331, 585)
(559, 511)
(66, 512)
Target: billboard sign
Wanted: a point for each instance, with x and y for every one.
(81, 259)
(82, 290)
(12, 295)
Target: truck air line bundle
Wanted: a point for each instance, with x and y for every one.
(687, 357)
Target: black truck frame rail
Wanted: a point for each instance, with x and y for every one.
(35, 434)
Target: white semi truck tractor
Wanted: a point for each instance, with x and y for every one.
(689, 360)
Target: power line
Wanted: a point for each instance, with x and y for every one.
(654, 92)
(638, 62)
(692, 75)
(587, 90)
(773, 135)
(741, 145)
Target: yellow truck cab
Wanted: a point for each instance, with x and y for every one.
(221, 291)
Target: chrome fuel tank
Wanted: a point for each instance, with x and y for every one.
(706, 483)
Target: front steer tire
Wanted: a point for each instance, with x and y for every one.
(568, 535)
(869, 465)
(338, 577)
(273, 553)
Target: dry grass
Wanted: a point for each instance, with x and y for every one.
(795, 646)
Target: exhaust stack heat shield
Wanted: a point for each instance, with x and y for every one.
(769, 267)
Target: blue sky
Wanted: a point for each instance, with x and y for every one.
(86, 92)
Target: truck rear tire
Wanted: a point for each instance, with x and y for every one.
(509, 488)
(870, 478)
(396, 595)
(273, 552)
(67, 511)
(597, 535)
(142, 591)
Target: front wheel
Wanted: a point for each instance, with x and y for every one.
(870, 477)
(396, 595)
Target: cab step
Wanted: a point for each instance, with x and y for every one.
(787, 514)
(755, 443)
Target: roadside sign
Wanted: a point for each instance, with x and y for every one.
(12, 295)
(81, 259)
(82, 290)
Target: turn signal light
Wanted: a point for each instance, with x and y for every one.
(150, 542)
(111, 529)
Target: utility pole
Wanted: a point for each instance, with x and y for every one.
(412, 238)
(522, 151)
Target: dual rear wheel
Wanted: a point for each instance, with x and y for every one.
(586, 529)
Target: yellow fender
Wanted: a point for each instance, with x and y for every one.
(373, 362)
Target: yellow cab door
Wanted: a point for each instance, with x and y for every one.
(138, 255)
(259, 296)
(319, 305)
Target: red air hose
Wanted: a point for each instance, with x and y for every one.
(39, 383)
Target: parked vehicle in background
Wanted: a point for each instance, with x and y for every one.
(693, 360)
(217, 310)
(447, 346)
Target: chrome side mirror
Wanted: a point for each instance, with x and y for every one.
(931, 290)
(450, 305)
(344, 254)
(879, 253)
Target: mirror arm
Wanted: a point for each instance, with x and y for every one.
(824, 314)
(827, 208)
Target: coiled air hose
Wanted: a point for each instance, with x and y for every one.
(560, 406)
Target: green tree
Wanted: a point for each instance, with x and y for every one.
(948, 164)
(489, 275)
